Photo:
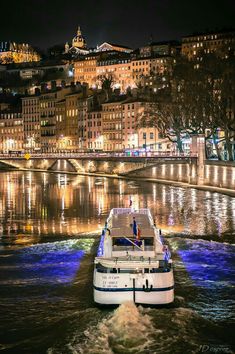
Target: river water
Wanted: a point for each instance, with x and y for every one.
(49, 230)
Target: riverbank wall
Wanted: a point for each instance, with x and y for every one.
(188, 171)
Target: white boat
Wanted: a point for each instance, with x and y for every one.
(130, 265)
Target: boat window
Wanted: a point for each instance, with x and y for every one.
(126, 271)
(102, 269)
(125, 242)
(162, 264)
(148, 241)
(160, 270)
(121, 242)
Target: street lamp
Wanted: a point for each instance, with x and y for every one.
(145, 146)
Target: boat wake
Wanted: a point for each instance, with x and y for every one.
(128, 330)
(132, 329)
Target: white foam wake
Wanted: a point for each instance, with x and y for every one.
(128, 330)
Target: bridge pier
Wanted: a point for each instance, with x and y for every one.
(198, 147)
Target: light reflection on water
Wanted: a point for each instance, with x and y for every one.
(52, 280)
(210, 267)
(41, 204)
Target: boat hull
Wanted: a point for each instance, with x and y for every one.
(154, 289)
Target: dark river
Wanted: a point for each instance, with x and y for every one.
(49, 230)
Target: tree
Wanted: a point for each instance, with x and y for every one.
(195, 97)
(168, 108)
(219, 89)
(106, 85)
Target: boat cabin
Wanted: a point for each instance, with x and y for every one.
(122, 238)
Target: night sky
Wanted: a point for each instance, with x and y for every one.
(44, 23)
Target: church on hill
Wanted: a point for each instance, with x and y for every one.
(78, 46)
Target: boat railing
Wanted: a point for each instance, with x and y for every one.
(116, 211)
(133, 242)
(130, 248)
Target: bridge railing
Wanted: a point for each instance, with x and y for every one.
(156, 154)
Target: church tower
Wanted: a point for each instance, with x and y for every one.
(78, 40)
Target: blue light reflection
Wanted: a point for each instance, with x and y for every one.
(209, 264)
(45, 264)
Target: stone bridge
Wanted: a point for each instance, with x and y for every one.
(184, 169)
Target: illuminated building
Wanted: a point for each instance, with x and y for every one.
(72, 128)
(125, 71)
(85, 70)
(151, 140)
(11, 130)
(95, 138)
(79, 41)
(104, 47)
(170, 48)
(78, 44)
(118, 68)
(11, 52)
(220, 43)
(140, 67)
(67, 121)
(47, 102)
(112, 125)
(60, 112)
(131, 112)
(96, 66)
(136, 137)
(31, 119)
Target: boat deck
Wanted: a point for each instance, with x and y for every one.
(125, 220)
(120, 225)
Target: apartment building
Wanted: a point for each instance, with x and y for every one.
(11, 130)
(85, 70)
(32, 122)
(119, 69)
(95, 138)
(112, 125)
(220, 43)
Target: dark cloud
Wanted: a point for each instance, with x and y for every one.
(131, 22)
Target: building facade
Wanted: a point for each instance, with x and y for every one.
(220, 43)
(112, 126)
(170, 48)
(11, 52)
(32, 123)
(95, 138)
(85, 70)
(11, 130)
(119, 69)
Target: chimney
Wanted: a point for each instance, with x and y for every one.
(84, 89)
(78, 86)
(134, 92)
(53, 85)
(43, 87)
(117, 92)
(37, 91)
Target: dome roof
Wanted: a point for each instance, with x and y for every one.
(78, 40)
